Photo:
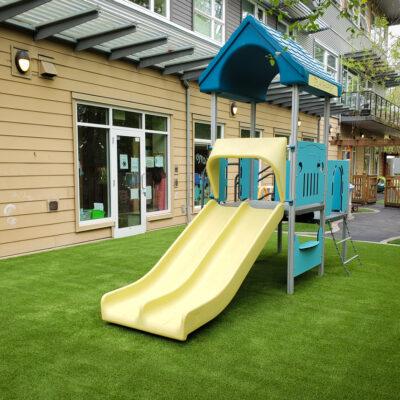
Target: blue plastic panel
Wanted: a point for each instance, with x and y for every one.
(309, 174)
(245, 178)
(307, 255)
(337, 198)
(223, 180)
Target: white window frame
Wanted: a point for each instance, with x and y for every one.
(202, 142)
(256, 8)
(244, 128)
(151, 8)
(327, 51)
(213, 19)
(110, 126)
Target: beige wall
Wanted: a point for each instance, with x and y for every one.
(37, 137)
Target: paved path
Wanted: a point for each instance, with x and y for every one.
(377, 226)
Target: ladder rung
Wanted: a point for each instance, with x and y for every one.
(344, 240)
(350, 259)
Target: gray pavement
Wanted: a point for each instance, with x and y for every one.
(375, 226)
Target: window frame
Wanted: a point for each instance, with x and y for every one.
(213, 19)
(286, 25)
(109, 221)
(201, 142)
(327, 51)
(256, 8)
(151, 8)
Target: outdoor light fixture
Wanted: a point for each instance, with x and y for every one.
(234, 108)
(299, 123)
(22, 61)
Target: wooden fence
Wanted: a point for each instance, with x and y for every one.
(365, 189)
(392, 191)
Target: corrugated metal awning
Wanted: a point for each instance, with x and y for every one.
(73, 20)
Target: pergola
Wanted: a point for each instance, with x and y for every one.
(120, 33)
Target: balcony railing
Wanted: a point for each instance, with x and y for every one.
(368, 103)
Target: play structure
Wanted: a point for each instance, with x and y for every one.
(203, 269)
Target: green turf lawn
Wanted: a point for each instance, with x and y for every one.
(304, 227)
(337, 337)
(396, 241)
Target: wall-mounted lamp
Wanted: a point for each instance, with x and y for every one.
(234, 109)
(362, 136)
(22, 61)
(299, 123)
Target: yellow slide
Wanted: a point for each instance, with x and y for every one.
(203, 269)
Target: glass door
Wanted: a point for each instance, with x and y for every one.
(129, 182)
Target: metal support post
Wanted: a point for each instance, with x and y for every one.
(214, 117)
(292, 189)
(327, 109)
(252, 135)
(280, 237)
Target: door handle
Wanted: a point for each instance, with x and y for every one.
(142, 180)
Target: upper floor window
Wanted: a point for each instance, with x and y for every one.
(158, 6)
(252, 8)
(282, 27)
(327, 58)
(209, 18)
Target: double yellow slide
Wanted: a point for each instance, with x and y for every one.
(202, 270)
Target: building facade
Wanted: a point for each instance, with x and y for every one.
(106, 134)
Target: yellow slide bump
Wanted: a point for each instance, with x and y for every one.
(199, 275)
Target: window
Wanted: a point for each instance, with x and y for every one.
(245, 133)
(252, 8)
(158, 6)
(202, 143)
(93, 163)
(308, 138)
(208, 19)
(156, 163)
(328, 59)
(94, 128)
(282, 27)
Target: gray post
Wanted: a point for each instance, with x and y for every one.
(253, 119)
(280, 237)
(214, 117)
(292, 189)
(252, 134)
(327, 108)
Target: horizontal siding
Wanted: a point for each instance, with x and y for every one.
(37, 143)
(233, 16)
(182, 12)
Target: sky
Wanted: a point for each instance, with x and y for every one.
(394, 31)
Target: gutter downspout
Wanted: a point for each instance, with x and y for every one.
(186, 85)
(319, 130)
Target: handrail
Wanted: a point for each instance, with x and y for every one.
(369, 103)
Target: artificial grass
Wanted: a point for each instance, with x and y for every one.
(304, 227)
(365, 210)
(337, 337)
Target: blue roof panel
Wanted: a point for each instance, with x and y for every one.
(254, 55)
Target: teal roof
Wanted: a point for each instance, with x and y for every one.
(252, 57)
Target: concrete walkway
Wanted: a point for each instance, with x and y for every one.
(375, 226)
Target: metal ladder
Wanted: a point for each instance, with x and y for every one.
(346, 237)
